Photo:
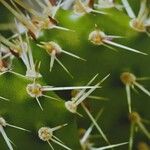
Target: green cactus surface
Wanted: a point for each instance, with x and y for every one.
(74, 74)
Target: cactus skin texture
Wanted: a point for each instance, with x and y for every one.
(120, 121)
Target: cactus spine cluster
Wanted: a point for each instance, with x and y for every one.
(64, 62)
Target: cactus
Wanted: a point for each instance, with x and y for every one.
(64, 62)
